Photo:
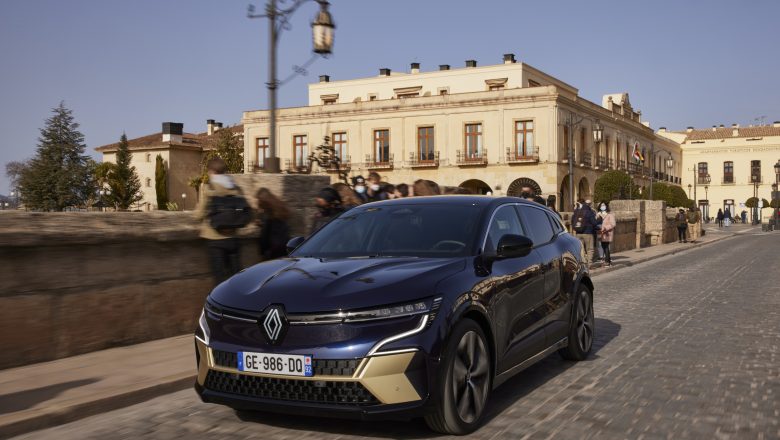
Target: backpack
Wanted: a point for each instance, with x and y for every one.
(580, 222)
(682, 221)
(228, 212)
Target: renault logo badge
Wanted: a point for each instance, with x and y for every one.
(274, 324)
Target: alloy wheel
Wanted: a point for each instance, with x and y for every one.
(584, 322)
(470, 377)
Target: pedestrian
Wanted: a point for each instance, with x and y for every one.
(693, 223)
(359, 185)
(423, 187)
(719, 218)
(374, 192)
(744, 216)
(551, 205)
(329, 207)
(583, 221)
(274, 230)
(607, 232)
(349, 198)
(600, 216)
(402, 190)
(682, 226)
(224, 249)
(727, 217)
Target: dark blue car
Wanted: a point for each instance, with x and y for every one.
(399, 309)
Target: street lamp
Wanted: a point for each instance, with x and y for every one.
(669, 165)
(755, 179)
(707, 206)
(689, 190)
(322, 34)
(183, 201)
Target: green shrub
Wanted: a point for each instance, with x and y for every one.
(615, 185)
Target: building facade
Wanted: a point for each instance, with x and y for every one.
(182, 153)
(491, 129)
(725, 166)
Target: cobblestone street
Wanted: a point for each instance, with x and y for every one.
(688, 346)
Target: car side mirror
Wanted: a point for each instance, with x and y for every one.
(294, 243)
(513, 246)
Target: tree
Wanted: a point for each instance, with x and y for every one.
(661, 191)
(775, 203)
(123, 180)
(226, 145)
(678, 198)
(615, 185)
(161, 183)
(13, 170)
(753, 203)
(58, 176)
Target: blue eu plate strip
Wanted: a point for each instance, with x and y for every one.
(240, 356)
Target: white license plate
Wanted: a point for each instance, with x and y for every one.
(269, 363)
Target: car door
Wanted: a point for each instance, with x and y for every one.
(540, 227)
(517, 294)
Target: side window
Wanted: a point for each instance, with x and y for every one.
(538, 225)
(556, 224)
(505, 221)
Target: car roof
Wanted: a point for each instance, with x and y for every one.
(456, 199)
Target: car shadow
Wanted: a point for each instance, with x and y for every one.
(502, 398)
(21, 400)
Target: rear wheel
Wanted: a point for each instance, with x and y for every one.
(582, 329)
(463, 391)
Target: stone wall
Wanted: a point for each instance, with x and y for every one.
(83, 281)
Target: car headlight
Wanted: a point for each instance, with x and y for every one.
(202, 333)
(419, 307)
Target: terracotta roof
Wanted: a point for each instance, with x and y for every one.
(197, 140)
(727, 133)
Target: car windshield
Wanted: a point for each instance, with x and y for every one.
(413, 230)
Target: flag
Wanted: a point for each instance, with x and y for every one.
(637, 153)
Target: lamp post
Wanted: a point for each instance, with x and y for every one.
(689, 190)
(322, 34)
(183, 201)
(755, 179)
(652, 168)
(707, 206)
(669, 166)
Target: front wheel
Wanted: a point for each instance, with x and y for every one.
(467, 379)
(582, 329)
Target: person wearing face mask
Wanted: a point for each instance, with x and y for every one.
(375, 191)
(328, 204)
(359, 185)
(607, 232)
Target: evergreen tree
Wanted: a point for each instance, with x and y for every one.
(123, 180)
(161, 183)
(615, 185)
(229, 148)
(59, 175)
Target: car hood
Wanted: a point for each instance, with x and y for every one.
(305, 285)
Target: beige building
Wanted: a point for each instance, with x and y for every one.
(182, 153)
(725, 166)
(491, 129)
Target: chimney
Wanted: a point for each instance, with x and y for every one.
(217, 127)
(776, 124)
(689, 129)
(444, 67)
(721, 125)
(415, 67)
(509, 58)
(662, 130)
(734, 130)
(471, 63)
(172, 131)
(384, 71)
(209, 127)
(734, 125)
(714, 127)
(324, 78)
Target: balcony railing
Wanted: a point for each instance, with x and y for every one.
(472, 158)
(727, 180)
(621, 165)
(516, 157)
(755, 179)
(585, 160)
(646, 171)
(345, 164)
(634, 168)
(296, 167)
(255, 167)
(379, 163)
(429, 160)
(602, 163)
(702, 180)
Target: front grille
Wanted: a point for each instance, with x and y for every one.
(339, 393)
(322, 367)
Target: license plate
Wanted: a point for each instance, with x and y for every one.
(269, 363)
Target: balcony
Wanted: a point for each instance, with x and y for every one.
(703, 179)
(430, 160)
(755, 179)
(471, 158)
(379, 163)
(621, 165)
(585, 160)
(727, 180)
(254, 167)
(291, 167)
(514, 157)
(634, 168)
(344, 165)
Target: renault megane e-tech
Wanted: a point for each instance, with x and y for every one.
(399, 309)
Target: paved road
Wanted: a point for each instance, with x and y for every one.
(688, 346)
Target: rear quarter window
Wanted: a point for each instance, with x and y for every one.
(537, 225)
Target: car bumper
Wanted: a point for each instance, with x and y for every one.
(390, 386)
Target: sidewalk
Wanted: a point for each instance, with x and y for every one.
(57, 392)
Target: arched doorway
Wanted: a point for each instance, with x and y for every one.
(516, 187)
(563, 204)
(583, 189)
(476, 186)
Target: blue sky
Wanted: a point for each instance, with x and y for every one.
(128, 66)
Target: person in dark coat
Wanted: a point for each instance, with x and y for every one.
(720, 218)
(328, 203)
(274, 231)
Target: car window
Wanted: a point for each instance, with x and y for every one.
(556, 224)
(505, 221)
(537, 224)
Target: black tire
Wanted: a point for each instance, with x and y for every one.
(582, 329)
(461, 403)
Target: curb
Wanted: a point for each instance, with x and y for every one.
(41, 418)
(618, 266)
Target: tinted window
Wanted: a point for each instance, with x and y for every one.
(556, 223)
(538, 225)
(413, 230)
(505, 221)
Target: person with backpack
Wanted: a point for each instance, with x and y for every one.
(222, 211)
(274, 231)
(583, 223)
(682, 226)
(693, 223)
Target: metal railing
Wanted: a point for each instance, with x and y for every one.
(291, 167)
(344, 164)
(727, 180)
(634, 168)
(471, 158)
(379, 163)
(429, 160)
(254, 166)
(585, 160)
(514, 157)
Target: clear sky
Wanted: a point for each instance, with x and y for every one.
(131, 65)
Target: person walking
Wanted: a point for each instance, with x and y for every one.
(583, 221)
(727, 217)
(329, 206)
(349, 198)
(224, 249)
(682, 226)
(272, 220)
(719, 218)
(607, 232)
(744, 216)
(694, 224)
(600, 216)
